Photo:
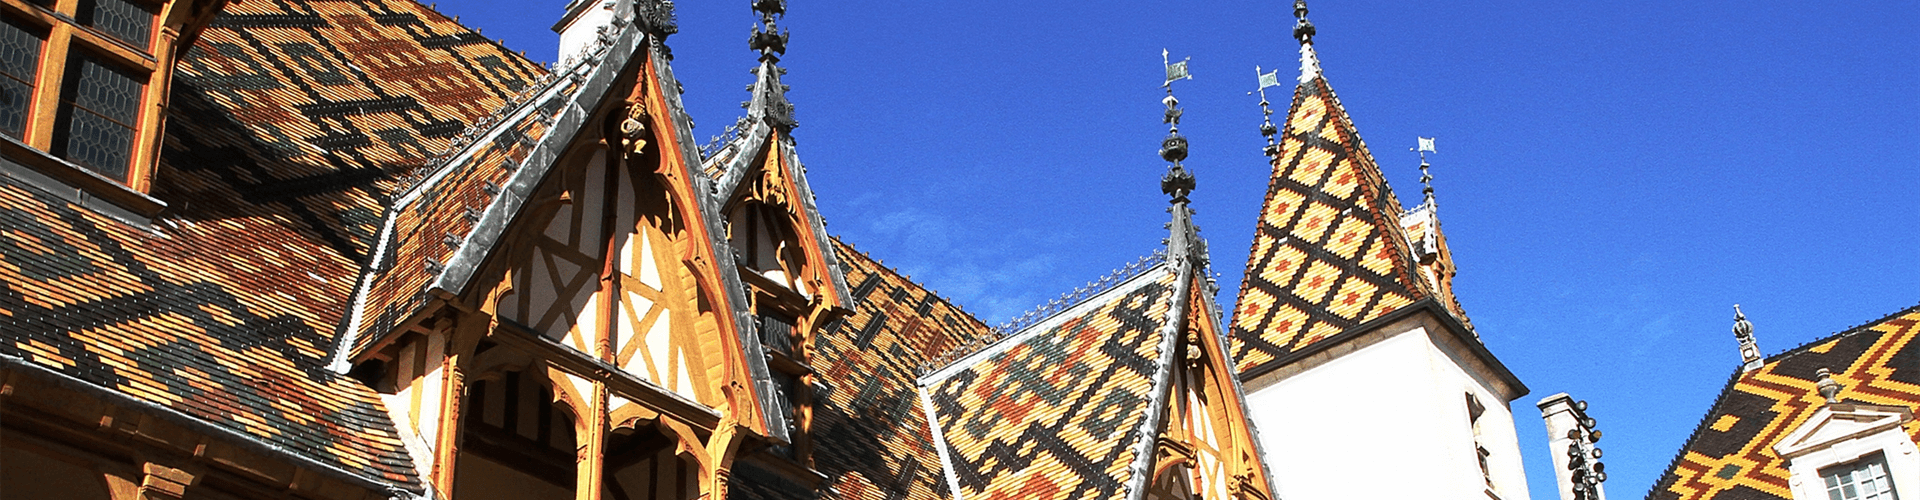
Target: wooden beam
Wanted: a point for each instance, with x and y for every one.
(619, 382)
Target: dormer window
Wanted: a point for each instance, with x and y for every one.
(82, 90)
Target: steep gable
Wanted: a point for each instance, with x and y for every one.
(1058, 410)
(1731, 454)
(1328, 250)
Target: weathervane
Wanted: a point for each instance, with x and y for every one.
(1178, 181)
(1267, 79)
(1426, 179)
(1184, 243)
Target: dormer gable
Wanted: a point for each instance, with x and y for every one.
(1836, 424)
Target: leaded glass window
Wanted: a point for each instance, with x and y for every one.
(776, 333)
(1862, 480)
(784, 387)
(124, 19)
(96, 124)
(19, 63)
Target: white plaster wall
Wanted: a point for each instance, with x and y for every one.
(1394, 409)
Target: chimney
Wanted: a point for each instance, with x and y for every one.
(1571, 436)
(581, 26)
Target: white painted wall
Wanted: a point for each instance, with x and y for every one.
(1388, 420)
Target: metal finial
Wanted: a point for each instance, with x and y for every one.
(1828, 388)
(1178, 182)
(1426, 178)
(1303, 29)
(767, 37)
(1742, 329)
(1267, 79)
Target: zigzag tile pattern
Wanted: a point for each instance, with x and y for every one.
(1329, 252)
(870, 434)
(1730, 455)
(1057, 413)
(290, 122)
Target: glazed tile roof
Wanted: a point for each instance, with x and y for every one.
(290, 122)
(1057, 410)
(440, 228)
(433, 220)
(1730, 455)
(1329, 252)
(870, 434)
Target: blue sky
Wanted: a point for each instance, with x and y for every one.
(1612, 177)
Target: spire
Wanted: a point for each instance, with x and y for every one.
(1303, 31)
(1426, 179)
(769, 95)
(1749, 348)
(1185, 242)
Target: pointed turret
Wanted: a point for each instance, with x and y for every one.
(1329, 250)
(1335, 290)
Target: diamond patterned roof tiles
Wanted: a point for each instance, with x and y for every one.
(1329, 251)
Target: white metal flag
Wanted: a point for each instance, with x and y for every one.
(1175, 70)
(1268, 79)
(1426, 145)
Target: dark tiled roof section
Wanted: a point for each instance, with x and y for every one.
(227, 320)
(1730, 455)
(1057, 414)
(428, 230)
(289, 125)
(870, 435)
(311, 112)
(1329, 251)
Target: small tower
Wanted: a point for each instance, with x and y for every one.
(1749, 349)
(1336, 307)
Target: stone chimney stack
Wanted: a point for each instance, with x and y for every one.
(1569, 427)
